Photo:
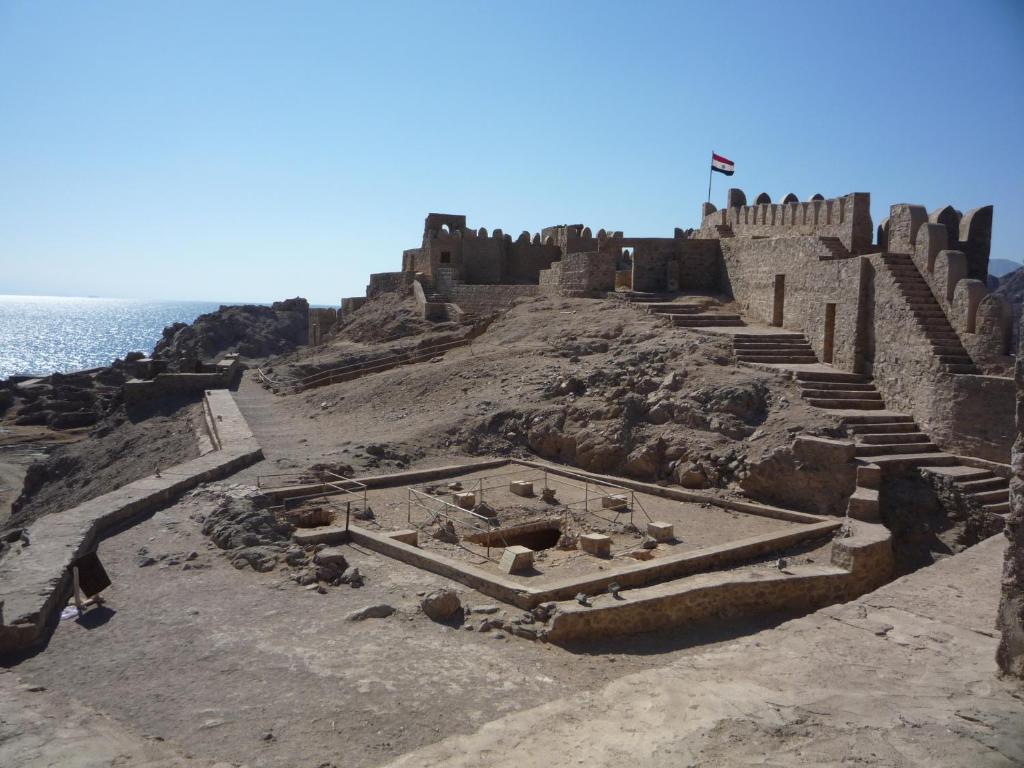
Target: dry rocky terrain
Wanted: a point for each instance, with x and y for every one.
(222, 642)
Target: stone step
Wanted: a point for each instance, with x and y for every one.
(761, 351)
(905, 461)
(892, 450)
(894, 428)
(891, 438)
(976, 483)
(771, 346)
(945, 350)
(839, 394)
(997, 509)
(674, 309)
(769, 337)
(778, 359)
(698, 321)
(856, 405)
(843, 386)
(928, 312)
(960, 369)
(997, 496)
(863, 505)
(858, 420)
(794, 342)
(838, 376)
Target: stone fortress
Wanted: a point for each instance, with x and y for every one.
(896, 319)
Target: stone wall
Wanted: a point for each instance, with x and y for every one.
(861, 562)
(590, 274)
(811, 281)
(847, 218)
(389, 282)
(1010, 619)
(674, 264)
(484, 299)
(163, 385)
(321, 322)
(962, 413)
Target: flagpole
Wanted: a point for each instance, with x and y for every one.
(710, 169)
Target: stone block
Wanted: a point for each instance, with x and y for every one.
(408, 536)
(616, 501)
(596, 544)
(325, 534)
(521, 487)
(661, 531)
(516, 559)
(464, 499)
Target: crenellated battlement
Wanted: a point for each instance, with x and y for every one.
(846, 218)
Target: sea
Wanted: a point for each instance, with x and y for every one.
(40, 335)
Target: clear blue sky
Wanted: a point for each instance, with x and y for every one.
(252, 151)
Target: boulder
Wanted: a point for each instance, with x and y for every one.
(379, 611)
(442, 605)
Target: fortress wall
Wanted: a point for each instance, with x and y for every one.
(389, 282)
(810, 283)
(847, 218)
(669, 264)
(972, 415)
(581, 274)
(484, 299)
(525, 261)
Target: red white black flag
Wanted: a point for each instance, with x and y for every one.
(722, 165)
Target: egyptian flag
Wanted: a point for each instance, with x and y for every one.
(720, 164)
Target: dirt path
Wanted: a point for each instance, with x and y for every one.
(904, 676)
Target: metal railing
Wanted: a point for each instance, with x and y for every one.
(439, 511)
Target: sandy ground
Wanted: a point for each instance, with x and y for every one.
(212, 659)
(191, 667)
(19, 447)
(904, 676)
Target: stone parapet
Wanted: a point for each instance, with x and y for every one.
(35, 580)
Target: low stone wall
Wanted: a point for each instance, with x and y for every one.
(221, 374)
(582, 275)
(35, 580)
(860, 563)
(483, 299)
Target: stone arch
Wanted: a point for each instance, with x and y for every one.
(791, 198)
(536, 238)
(586, 233)
(735, 198)
(817, 196)
(549, 240)
(524, 237)
(763, 199)
(498, 234)
(601, 234)
(482, 232)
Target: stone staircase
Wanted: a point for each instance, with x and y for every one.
(693, 315)
(835, 248)
(839, 390)
(773, 348)
(931, 319)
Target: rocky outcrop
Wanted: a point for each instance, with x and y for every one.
(1010, 655)
(251, 331)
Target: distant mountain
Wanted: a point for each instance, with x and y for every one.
(1002, 267)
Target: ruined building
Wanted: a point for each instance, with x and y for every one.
(902, 309)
